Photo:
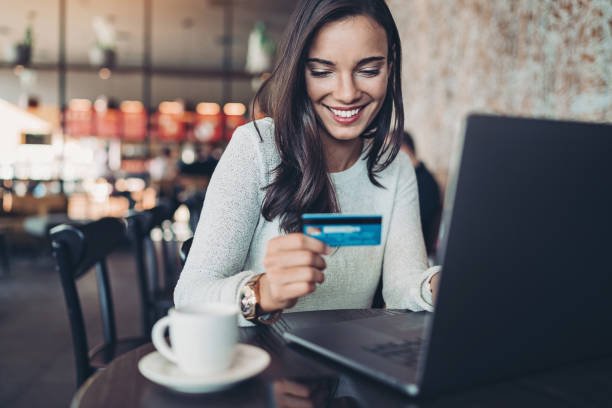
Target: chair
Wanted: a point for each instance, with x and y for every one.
(185, 247)
(4, 252)
(194, 203)
(155, 300)
(77, 248)
(162, 217)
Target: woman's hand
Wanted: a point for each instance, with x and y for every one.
(294, 265)
(434, 281)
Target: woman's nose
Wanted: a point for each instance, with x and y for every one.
(346, 90)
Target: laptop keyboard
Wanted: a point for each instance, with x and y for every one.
(404, 353)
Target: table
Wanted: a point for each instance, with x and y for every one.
(333, 385)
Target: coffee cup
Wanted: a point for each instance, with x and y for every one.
(203, 337)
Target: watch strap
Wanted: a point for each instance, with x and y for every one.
(269, 318)
(250, 295)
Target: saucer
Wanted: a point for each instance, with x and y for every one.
(248, 361)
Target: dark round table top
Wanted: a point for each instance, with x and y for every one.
(297, 377)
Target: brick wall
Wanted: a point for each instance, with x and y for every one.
(543, 58)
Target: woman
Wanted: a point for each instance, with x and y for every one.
(330, 146)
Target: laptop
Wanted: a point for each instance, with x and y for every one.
(526, 282)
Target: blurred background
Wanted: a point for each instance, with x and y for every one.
(115, 89)
(110, 107)
(105, 105)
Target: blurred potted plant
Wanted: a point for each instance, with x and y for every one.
(260, 50)
(23, 49)
(103, 53)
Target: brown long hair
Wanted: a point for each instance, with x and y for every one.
(301, 181)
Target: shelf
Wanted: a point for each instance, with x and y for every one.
(158, 71)
(20, 180)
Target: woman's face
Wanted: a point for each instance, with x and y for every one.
(347, 71)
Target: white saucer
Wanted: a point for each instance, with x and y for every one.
(248, 361)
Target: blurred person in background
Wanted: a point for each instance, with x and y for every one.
(194, 178)
(163, 171)
(430, 202)
(163, 167)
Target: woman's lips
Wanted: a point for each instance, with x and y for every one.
(346, 116)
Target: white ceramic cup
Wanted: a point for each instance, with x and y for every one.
(203, 337)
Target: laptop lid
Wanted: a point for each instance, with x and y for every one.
(526, 281)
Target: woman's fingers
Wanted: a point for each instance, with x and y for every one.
(287, 259)
(434, 282)
(269, 295)
(293, 265)
(292, 388)
(296, 274)
(282, 288)
(297, 241)
(289, 284)
(297, 289)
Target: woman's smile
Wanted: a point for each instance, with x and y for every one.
(346, 115)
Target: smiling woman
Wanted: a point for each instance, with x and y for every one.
(329, 146)
(347, 85)
(345, 58)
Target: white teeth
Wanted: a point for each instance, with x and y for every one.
(345, 113)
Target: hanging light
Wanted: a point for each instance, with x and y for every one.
(171, 107)
(234, 109)
(82, 105)
(131, 107)
(208, 108)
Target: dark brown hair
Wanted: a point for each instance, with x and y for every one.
(301, 181)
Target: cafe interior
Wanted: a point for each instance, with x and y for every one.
(121, 110)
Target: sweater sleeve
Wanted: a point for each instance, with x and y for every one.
(231, 210)
(405, 270)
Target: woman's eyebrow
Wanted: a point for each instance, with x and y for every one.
(370, 59)
(319, 61)
(331, 64)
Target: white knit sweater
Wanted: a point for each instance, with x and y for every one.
(230, 241)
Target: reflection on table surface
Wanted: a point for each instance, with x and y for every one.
(300, 378)
(309, 392)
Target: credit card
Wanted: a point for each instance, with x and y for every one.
(343, 229)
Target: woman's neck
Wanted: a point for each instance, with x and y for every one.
(341, 154)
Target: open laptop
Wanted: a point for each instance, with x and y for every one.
(526, 281)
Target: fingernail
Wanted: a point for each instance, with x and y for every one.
(328, 249)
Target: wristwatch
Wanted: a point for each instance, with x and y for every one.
(249, 303)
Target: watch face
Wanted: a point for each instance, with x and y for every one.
(247, 301)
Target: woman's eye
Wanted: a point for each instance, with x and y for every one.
(318, 74)
(369, 72)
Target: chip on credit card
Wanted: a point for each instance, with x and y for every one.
(343, 229)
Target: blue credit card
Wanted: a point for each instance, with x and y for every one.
(343, 229)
